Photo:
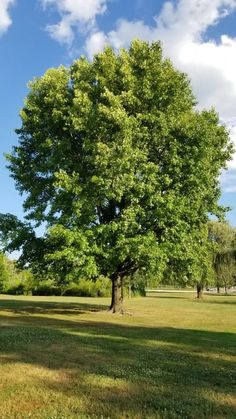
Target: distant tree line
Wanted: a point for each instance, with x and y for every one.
(17, 281)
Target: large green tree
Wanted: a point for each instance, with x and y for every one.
(114, 157)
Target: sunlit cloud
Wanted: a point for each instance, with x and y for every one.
(5, 19)
(75, 15)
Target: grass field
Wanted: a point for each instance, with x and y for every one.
(171, 356)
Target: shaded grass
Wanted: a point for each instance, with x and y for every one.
(65, 358)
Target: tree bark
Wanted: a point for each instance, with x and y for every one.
(199, 290)
(117, 295)
(112, 294)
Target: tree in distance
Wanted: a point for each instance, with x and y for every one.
(223, 239)
(116, 160)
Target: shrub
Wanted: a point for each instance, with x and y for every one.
(72, 290)
(89, 288)
(18, 289)
(46, 288)
(103, 286)
(139, 289)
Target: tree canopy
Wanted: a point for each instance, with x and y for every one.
(117, 161)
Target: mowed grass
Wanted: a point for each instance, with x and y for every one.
(170, 356)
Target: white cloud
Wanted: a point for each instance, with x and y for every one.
(95, 43)
(75, 15)
(210, 65)
(228, 181)
(5, 20)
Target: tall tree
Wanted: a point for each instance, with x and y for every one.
(114, 157)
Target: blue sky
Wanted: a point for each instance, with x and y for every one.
(198, 35)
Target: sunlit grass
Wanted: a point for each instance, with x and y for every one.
(170, 356)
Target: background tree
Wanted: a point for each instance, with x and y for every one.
(190, 263)
(223, 239)
(12, 280)
(4, 274)
(19, 235)
(116, 160)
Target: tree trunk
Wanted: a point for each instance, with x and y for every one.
(218, 289)
(117, 295)
(112, 294)
(199, 290)
(226, 288)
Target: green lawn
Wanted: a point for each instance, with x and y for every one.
(170, 356)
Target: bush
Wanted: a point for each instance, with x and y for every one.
(138, 284)
(103, 286)
(84, 288)
(15, 290)
(139, 289)
(72, 290)
(89, 288)
(46, 289)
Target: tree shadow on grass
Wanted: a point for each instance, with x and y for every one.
(122, 370)
(225, 302)
(176, 297)
(228, 299)
(46, 307)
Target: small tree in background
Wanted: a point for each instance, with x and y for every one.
(4, 274)
(223, 239)
(190, 264)
(117, 162)
(12, 280)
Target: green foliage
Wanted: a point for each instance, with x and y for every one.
(20, 235)
(22, 282)
(124, 171)
(4, 272)
(139, 287)
(13, 280)
(89, 288)
(17, 289)
(223, 240)
(191, 262)
(46, 288)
